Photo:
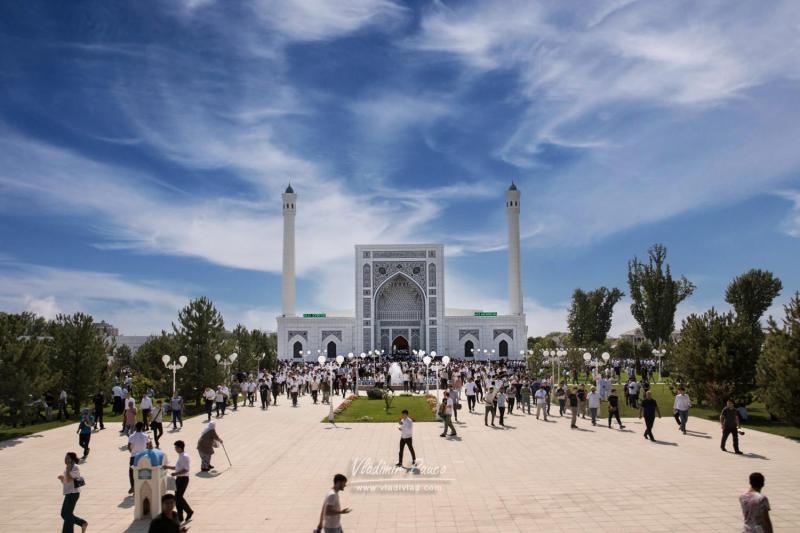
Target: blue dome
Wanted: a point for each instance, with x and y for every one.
(289, 189)
(155, 456)
(513, 187)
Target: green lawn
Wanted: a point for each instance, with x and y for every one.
(758, 416)
(417, 406)
(8, 432)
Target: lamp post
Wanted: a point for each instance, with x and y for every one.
(606, 356)
(174, 366)
(226, 362)
(350, 357)
(362, 355)
(445, 362)
(260, 359)
(339, 360)
(659, 353)
(586, 357)
(427, 360)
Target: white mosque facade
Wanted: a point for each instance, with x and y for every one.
(400, 304)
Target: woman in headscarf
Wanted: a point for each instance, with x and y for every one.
(206, 444)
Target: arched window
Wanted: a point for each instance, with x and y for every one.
(431, 275)
(297, 349)
(468, 347)
(503, 349)
(331, 350)
(367, 281)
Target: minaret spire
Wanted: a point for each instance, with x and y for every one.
(514, 274)
(289, 211)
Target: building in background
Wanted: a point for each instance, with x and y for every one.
(400, 304)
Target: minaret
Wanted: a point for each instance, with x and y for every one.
(289, 199)
(514, 281)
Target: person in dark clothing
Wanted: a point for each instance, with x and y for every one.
(275, 391)
(649, 408)
(613, 408)
(730, 421)
(572, 397)
(167, 521)
(263, 389)
(99, 402)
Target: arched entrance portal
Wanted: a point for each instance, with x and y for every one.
(297, 349)
(503, 348)
(331, 350)
(468, 347)
(400, 345)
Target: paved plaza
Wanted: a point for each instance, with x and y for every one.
(532, 476)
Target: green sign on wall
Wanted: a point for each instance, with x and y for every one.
(485, 313)
(314, 315)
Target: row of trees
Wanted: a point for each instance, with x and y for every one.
(200, 335)
(38, 356)
(719, 355)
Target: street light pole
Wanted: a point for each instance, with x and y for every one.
(339, 359)
(174, 366)
(427, 360)
(226, 362)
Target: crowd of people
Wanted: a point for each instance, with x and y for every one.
(499, 389)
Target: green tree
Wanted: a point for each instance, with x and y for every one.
(590, 314)
(25, 374)
(148, 364)
(123, 357)
(715, 358)
(79, 355)
(778, 370)
(199, 334)
(655, 294)
(751, 294)
(241, 341)
(265, 345)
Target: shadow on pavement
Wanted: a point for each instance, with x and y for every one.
(14, 440)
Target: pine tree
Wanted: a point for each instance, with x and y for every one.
(778, 370)
(79, 355)
(25, 373)
(199, 335)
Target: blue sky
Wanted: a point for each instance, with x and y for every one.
(144, 146)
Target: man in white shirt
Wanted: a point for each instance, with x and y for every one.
(116, 393)
(62, 404)
(681, 408)
(406, 433)
(209, 395)
(469, 390)
(137, 442)
(594, 404)
(181, 474)
(146, 406)
(330, 516)
(541, 401)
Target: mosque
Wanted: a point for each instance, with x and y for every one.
(400, 304)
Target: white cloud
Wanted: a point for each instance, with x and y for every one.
(222, 231)
(136, 307)
(306, 20)
(791, 224)
(632, 91)
(314, 20)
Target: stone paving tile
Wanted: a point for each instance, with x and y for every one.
(538, 476)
